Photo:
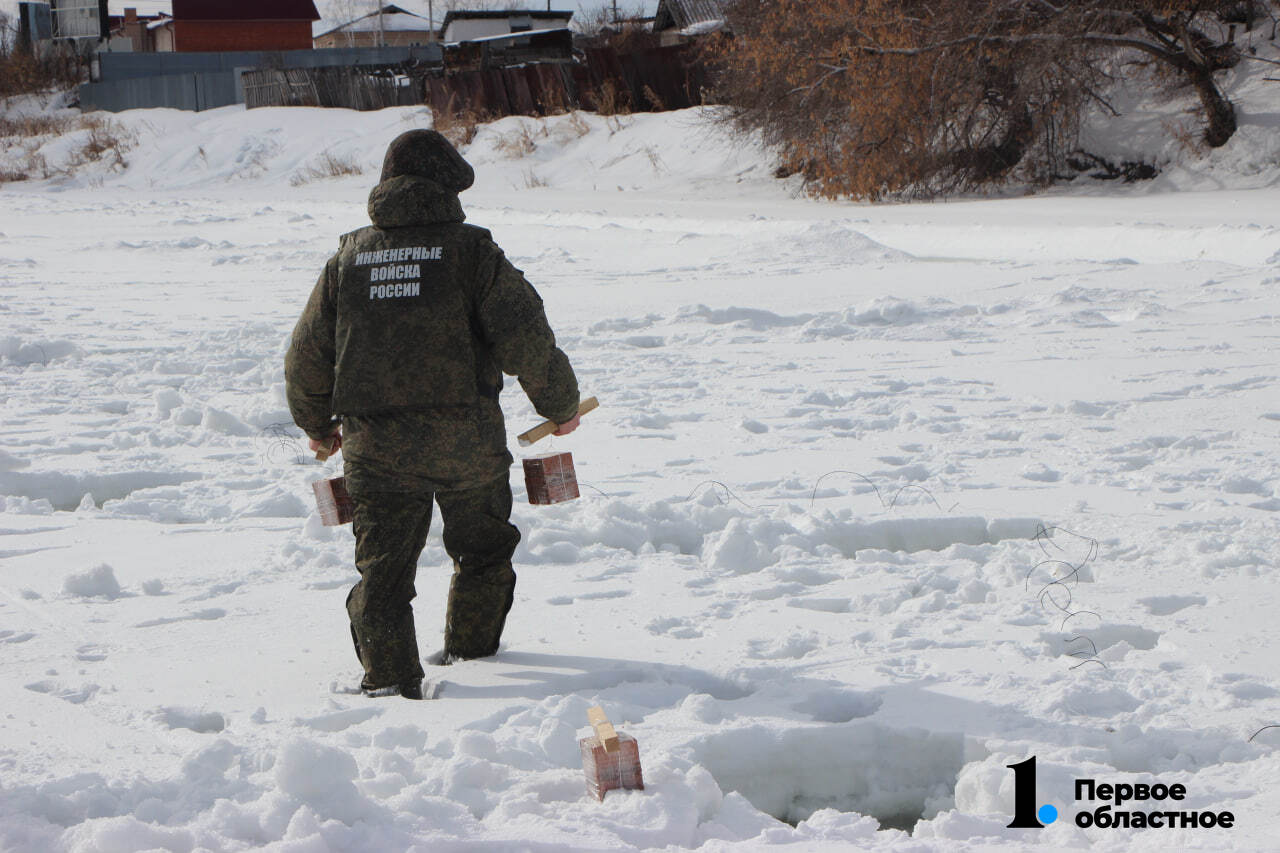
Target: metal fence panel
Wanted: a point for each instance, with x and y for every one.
(202, 81)
(121, 66)
(176, 91)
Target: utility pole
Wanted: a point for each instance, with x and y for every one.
(382, 32)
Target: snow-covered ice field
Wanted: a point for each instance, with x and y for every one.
(879, 500)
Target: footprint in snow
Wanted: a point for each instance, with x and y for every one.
(204, 722)
(772, 593)
(207, 615)
(74, 695)
(680, 629)
(561, 600)
(607, 594)
(791, 647)
(91, 653)
(1166, 605)
(341, 720)
(806, 575)
(15, 637)
(824, 605)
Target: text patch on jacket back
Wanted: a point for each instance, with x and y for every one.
(403, 328)
(397, 273)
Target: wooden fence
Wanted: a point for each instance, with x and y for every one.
(350, 88)
(664, 78)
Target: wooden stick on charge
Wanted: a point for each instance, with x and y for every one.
(326, 450)
(604, 729)
(545, 428)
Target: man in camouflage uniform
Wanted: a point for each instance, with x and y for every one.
(398, 359)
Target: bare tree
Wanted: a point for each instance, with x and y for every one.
(8, 34)
(875, 96)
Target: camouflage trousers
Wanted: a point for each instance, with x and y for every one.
(391, 531)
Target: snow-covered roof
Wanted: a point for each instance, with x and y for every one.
(686, 14)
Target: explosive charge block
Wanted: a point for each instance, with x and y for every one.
(610, 759)
(333, 503)
(608, 770)
(550, 479)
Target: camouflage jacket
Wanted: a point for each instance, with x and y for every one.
(406, 337)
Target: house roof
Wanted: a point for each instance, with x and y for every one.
(146, 8)
(513, 37)
(537, 14)
(683, 14)
(394, 20)
(245, 10)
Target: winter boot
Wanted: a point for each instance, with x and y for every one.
(477, 612)
(408, 689)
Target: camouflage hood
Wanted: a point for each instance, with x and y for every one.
(409, 200)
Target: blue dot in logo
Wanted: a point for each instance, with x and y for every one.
(1047, 814)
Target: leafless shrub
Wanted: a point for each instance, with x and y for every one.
(532, 180)
(870, 98)
(624, 30)
(22, 73)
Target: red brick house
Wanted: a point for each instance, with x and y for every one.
(224, 25)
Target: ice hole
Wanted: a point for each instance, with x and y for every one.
(897, 776)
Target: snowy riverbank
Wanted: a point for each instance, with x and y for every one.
(804, 573)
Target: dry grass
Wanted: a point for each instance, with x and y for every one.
(655, 159)
(459, 126)
(518, 143)
(107, 141)
(1190, 139)
(578, 125)
(655, 100)
(327, 165)
(554, 102)
(611, 101)
(25, 127)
